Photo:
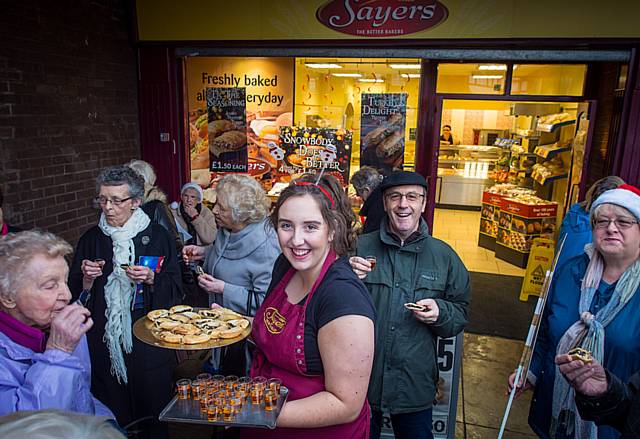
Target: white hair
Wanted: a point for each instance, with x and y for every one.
(55, 424)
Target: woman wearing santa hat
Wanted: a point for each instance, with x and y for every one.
(593, 304)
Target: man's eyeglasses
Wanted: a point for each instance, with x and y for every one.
(411, 197)
(115, 201)
(621, 223)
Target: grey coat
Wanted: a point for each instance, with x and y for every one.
(244, 261)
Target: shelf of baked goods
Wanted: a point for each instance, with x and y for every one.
(551, 122)
(461, 160)
(549, 170)
(548, 151)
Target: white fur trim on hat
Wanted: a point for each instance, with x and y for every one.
(192, 185)
(621, 196)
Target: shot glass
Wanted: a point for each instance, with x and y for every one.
(230, 382)
(270, 400)
(372, 260)
(243, 384)
(273, 384)
(197, 388)
(228, 411)
(214, 412)
(184, 389)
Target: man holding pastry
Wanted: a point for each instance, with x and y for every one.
(420, 289)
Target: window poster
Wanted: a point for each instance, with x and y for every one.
(227, 129)
(382, 128)
(310, 150)
(268, 90)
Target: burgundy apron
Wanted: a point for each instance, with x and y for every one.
(278, 330)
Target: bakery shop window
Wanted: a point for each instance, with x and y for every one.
(375, 99)
(548, 79)
(468, 78)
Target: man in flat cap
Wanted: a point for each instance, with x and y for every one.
(411, 267)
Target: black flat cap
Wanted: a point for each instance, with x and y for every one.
(403, 178)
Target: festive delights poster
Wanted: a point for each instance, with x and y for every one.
(309, 150)
(269, 102)
(382, 128)
(227, 128)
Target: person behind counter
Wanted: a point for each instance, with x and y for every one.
(315, 328)
(592, 303)
(123, 268)
(366, 182)
(446, 137)
(44, 358)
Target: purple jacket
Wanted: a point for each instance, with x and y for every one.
(53, 379)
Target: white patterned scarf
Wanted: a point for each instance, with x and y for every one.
(119, 290)
(588, 333)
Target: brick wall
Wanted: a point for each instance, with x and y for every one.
(68, 107)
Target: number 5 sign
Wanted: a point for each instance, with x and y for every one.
(446, 400)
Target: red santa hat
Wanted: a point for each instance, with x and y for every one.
(625, 195)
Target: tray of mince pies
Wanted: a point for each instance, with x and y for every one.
(185, 328)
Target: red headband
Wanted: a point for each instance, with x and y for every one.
(323, 190)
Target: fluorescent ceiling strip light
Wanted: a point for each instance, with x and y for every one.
(405, 66)
(347, 75)
(492, 67)
(486, 76)
(323, 66)
(410, 75)
(370, 80)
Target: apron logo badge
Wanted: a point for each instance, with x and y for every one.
(274, 321)
(145, 240)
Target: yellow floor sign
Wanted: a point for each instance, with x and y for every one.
(540, 260)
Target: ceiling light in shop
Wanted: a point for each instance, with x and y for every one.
(486, 76)
(323, 66)
(410, 75)
(347, 75)
(405, 66)
(492, 67)
(370, 80)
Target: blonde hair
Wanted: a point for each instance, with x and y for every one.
(18, 249)
(54, 424)
(145, 170)
(244, 196)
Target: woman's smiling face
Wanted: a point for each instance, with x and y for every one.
(303, 234)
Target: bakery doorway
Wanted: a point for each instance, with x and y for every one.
(507, 170)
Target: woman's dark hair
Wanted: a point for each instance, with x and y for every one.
(446, 126)
(338, 216)
(119, 175)
(598, 188)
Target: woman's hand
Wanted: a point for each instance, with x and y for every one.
(210, 284)
(523, 386)
(587, 379)
(360, 266)
(191, 253)
(190, 210)
(91, 270)
(68, 327)
(140, 274)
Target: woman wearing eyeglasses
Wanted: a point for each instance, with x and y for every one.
(593, 303)
(124, 267)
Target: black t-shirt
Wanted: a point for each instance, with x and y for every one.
(339, 294)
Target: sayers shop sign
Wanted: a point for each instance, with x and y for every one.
(381, 18)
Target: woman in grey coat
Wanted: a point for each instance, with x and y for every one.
(238, 264)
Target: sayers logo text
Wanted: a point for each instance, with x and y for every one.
(381, 18)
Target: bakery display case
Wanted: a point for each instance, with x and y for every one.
(463, 174)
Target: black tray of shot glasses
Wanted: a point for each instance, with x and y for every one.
(250, 415)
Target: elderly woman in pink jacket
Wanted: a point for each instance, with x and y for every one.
(44, 359)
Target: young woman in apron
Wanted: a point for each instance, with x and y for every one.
(315, 329)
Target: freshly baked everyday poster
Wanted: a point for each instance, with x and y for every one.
(309, 150)
(382, 128)
(227, 129)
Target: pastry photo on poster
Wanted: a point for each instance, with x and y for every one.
(227, 129)
(309, 150)
(382, 128)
